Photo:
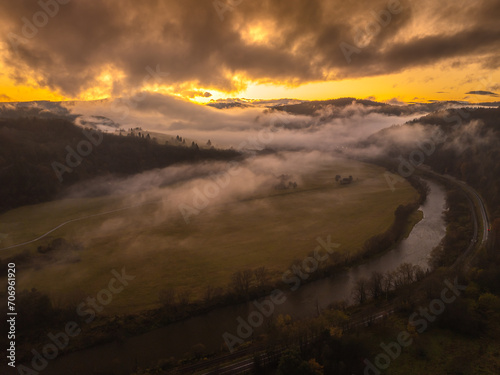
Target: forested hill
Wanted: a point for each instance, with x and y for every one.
(337, 107)
(490, 117)
(471, 149)
(40, 158)
(468, 148)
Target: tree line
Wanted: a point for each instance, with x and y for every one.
(29, 146)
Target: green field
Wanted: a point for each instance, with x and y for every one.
(270, 228)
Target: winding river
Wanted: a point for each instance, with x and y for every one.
(177, 339)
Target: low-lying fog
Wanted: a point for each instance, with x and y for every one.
(301, 141)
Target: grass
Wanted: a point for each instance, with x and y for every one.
(270, 228)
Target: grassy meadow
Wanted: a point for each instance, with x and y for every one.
(270, 228)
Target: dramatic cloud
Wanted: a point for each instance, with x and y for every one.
(487, 93)
(123, 45)
(254, 127)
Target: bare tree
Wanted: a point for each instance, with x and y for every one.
(360, 290)
(375, 286)
(261, 276)
(405, 275)
(242, 281)
(388, 283)
(409, 272)
(419, 273)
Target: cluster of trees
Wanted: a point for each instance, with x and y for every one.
(245, 284)
(174, 301)
(311, 108)
(336, 108)
(475, 158)
(285, 183)
(58, 244)
(29, 146)
(459, 230)
(291, 363)
(473, 315)
(384, 241)
(180, 140)
(381, 285)
(194, 145)
(470, 150)
(283, 186)
(486, 272)
(343, 181)
(466, 149)
(141, 135)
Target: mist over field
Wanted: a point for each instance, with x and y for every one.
(268, 187)
(299, 141)
(237, 127)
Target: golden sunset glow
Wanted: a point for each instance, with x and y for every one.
(439, 83)
(280, 187)
(402, 86)
(11, 91)
(277, 56)
(258, 34)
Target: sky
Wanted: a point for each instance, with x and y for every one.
(203, 50)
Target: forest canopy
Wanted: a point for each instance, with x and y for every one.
(39, 158)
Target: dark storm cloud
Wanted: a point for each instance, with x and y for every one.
(188, 40)
(487, 93)
(429, 49)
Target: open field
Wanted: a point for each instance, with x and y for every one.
(152, 242)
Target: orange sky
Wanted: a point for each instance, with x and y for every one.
(406, 50)
(439, 83)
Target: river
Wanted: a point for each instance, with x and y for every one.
(177, 339)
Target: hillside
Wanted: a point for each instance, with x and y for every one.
(41, 158)
(462, 142)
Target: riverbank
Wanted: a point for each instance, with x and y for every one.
(125, 331)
